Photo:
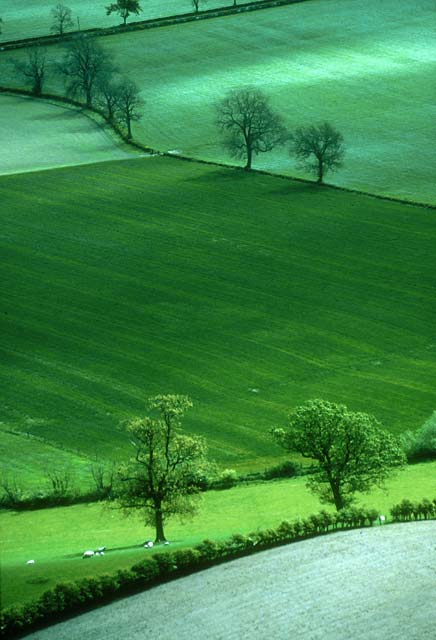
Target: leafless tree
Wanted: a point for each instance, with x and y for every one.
(108, 95)
(85, 63)
(196, 4)
(33, 68)
(62, 19)
(249, 125)
(129, 104)
(318, 148)
(59, 480)
(104, 477)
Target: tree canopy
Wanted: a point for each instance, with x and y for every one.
(352, 452)
(318, 148)
(163, 478)
(124, 8)
(249, 124)
(84, 64)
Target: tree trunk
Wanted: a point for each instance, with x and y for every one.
(337, 497)
(320, 170)
(249, 157)
(129, 128)
(160, 536)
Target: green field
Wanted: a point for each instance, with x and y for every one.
(56, 538)
(35, 134)
(126, 279)
(32, 18)
(317, 61)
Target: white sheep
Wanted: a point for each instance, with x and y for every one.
(30, 562)
(87, 554)
(148, 544)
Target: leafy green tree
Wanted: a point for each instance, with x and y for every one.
(318, 148)
(61, 19)
(249, 124)
(163, 478)
(124, 8)
(352, 451)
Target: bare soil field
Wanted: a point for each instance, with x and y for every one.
(35, 135)
(363, 584)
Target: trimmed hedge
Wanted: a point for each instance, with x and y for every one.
(71, 598)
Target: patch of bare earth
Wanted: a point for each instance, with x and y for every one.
(363, 584)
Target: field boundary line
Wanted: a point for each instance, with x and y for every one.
(88, 112)
(151, 23)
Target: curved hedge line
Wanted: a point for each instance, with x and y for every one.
(142, 147)
(71, 598)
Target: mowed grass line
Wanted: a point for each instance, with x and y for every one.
(56, 538)
(249, 293)
(367, 68)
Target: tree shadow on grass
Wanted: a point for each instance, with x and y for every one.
(224, 174)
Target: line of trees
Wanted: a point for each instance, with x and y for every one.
(250, 126)
(90, 75)
(351, 451)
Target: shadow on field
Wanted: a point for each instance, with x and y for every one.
(221, 175)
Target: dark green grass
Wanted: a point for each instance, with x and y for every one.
(56, 538)
(123, 280)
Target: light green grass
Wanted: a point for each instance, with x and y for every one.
(33, 17)
(36, 134)
(368, 68)
(56, 538)
(126, 279)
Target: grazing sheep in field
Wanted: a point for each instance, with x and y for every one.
(88, 554)
(148, 544)
(30, 562)
(101, 549)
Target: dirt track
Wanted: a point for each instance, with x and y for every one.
(369, 584)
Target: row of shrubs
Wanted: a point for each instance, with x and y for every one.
(70, 598)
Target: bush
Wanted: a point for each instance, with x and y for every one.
(421, 444)
(288, 469)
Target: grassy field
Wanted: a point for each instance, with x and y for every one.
(56, 538)
(322, 589)
(317, 61)
(33, 18)
(126, 279)
(39, 135)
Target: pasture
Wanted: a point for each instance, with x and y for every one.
(322, 589)
(56, 538)
(33, 18)
(126, 279)
(36, 135)
(368, 68)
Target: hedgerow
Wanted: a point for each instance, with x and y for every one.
(70, 598)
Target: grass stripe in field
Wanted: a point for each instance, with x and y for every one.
(122, 280)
